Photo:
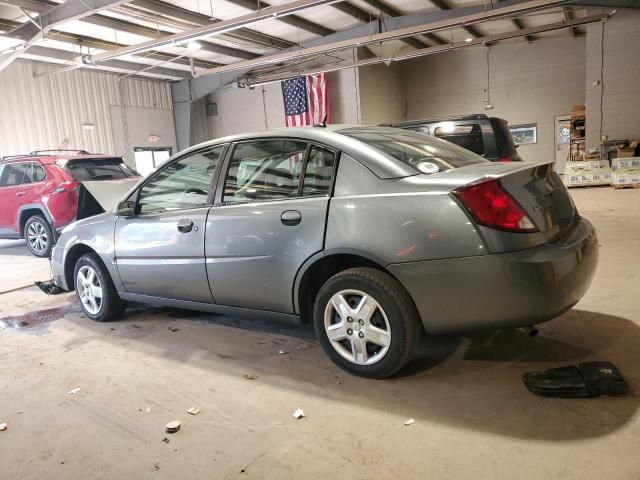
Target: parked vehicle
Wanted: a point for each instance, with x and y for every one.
(375, 234)
(486, 136)
(44, 191)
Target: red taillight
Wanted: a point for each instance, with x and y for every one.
(506, 160)
(491, 206)
(70, 186)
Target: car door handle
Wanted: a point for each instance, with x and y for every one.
(185, 225)
(291, 217)
(21, 194)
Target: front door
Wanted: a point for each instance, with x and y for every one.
(160, 250)
(13, 192)
(563, 135)
(270, 218)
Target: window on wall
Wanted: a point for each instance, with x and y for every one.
(264, 170)
(148, 159)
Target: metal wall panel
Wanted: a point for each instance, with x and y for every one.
(47, 112)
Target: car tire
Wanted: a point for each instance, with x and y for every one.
(39, 236)
(95, 290)
(382, 327)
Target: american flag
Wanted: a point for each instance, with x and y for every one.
(306, 101)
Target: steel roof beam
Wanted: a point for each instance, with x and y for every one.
(392, 12)
(217, 28)
(444, 5)
(130, 67)
(319, 48)
(428, 51)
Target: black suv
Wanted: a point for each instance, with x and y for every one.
(486, 136)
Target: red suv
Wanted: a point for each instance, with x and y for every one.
(44, 191)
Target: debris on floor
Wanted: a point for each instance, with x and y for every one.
(3, 426)
(282, 352)
(74, 391)
(174, 329)
(298, 414)
(409, 422)
(586, 380)
(49, 287)
(193, 411)
(165, 439)
(172, 427)
(250, 376)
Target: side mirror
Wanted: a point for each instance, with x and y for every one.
(126, 208)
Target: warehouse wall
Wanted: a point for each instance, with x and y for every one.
(528, 83)
(617, 57)
(382, 93)
(262, 108)
(48, 111)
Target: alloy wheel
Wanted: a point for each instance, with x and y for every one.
(357, 327)
(89, 289)
(37, 237)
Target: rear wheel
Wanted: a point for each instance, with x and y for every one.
(95, 290)
(39, 236)
(366, 322)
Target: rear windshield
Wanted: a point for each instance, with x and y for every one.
(420, 151)
(97, 169)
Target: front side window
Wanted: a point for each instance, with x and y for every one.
(319, 172)
(182, 185)
(14, 174)
(264, 170)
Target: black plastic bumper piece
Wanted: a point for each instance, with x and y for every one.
(590, 379)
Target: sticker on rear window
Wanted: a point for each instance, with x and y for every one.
(428, 167)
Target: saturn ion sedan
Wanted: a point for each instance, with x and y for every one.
(376, 235)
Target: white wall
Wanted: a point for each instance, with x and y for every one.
(620, 82)
(529, 83)
(382, 94)
(139, 124)
(45, 112)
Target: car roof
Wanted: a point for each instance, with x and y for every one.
(383, 166)
(450, 118)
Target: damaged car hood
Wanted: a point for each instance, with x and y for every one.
(109, 192)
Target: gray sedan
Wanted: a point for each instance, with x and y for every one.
(374, 234)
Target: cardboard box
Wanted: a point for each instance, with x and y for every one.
(588, 166)
(625, 152)
(625, 163)
(578, 111)
(626, 177)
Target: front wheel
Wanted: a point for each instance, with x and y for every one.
(366, 322)
(95, 290)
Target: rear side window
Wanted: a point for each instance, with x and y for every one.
(13, 174)
(466, 136)
(424, 153)
(97, 169)
(319, 172)
(38, 173)
(264, 170)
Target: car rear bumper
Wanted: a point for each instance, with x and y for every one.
(504, 290)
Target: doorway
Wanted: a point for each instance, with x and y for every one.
(149, 158)
(562, 126)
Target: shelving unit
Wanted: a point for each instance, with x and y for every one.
(578, 134)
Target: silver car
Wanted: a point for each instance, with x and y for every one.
(374, 234)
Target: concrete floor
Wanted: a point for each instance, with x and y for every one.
(473, 417)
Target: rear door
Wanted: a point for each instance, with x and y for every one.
(12, 192)
(160, 250)
(269, 218)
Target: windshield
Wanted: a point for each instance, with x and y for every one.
(420, 151)
(97, 169)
